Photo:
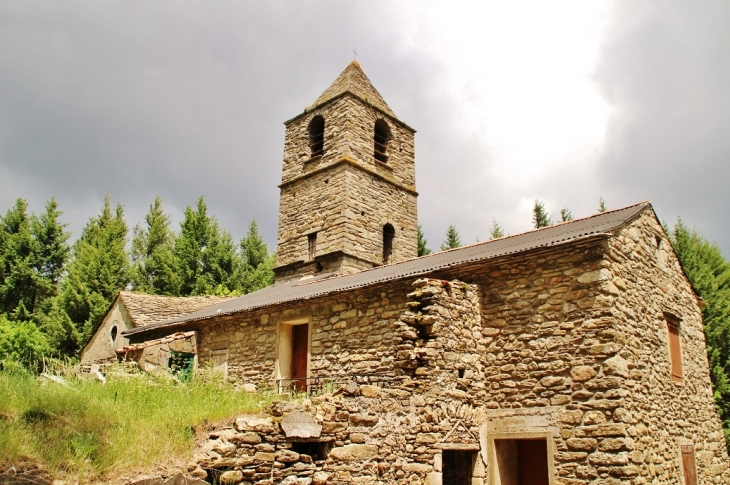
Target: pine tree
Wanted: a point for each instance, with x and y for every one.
(257, 263)
(206, 255)
(497, 230)
(422, 248)
(52, 250)
(566, 215)
(99, 270)
(452, 239)
(154, 269)
(540, 217)
(602, 205)
(18, 279)
(709, 273)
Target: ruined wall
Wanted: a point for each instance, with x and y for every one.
(644, 279)
(155, 354)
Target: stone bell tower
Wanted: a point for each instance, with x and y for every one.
(348, 184)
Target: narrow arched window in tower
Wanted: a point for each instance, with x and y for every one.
(382, 137)
(316, 136)
(388, 235)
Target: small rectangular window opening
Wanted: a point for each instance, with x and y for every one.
(675, 351)
(312, 244)
(458, 467)
(318, 450)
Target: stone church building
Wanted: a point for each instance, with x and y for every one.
(573, 354)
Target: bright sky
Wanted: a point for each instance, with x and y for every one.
(563, 101)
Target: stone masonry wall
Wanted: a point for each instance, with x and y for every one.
(102, 346)
(350, 333)
(346, 195)
(644, 280)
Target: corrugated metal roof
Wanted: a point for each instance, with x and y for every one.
(602, 223)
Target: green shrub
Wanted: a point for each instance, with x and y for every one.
(22, 342)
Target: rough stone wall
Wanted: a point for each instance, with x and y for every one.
(350, 333)
(155, 354)
(101, 346)
(345, 194)
(644, 279)
(543, 347)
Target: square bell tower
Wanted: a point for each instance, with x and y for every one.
(348, 185)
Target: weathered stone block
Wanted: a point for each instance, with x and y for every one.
(354, 453)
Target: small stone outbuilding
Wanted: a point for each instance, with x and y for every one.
(133, 310)
(573, 354)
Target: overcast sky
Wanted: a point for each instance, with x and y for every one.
(513, 101)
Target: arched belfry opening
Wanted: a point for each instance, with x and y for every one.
(382, 137)
(388, 236)
(316, 136)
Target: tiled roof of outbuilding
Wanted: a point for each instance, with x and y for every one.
(554, 235)
(150, 309)
(354, 80)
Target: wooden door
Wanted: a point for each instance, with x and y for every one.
(533, 462)
(300, 351)
(688, 463)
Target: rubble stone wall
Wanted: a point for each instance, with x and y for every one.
(644, 281)
(350, 333)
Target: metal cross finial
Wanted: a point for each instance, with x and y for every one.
(354, 57)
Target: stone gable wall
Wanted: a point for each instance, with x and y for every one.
(645, 280)
(101, 346)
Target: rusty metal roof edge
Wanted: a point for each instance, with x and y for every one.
(426, 270)
(539, 243)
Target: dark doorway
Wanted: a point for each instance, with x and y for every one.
(300, 351)
(181, 365)
(522, 462)
(457, 467)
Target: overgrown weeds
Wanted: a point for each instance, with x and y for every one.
(88, 430)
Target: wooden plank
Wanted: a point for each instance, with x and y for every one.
(688, 463)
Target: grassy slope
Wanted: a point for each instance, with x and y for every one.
(90, 431)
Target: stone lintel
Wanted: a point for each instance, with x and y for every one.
(351, 162)
(458, 446)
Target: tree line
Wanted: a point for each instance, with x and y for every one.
(54, 294)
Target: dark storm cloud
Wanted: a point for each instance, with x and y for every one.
(138, 98)
(665, 70)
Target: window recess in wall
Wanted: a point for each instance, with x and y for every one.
(675, 349)
(312, 245)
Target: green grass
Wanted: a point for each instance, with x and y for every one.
(88, 430)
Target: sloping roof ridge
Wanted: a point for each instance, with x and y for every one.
(556, 235)
(354, 80)
(481, 243)
(561, 223)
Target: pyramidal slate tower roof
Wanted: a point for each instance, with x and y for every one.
(353, 80)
